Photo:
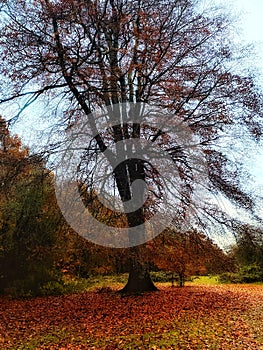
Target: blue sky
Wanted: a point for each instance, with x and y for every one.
(252, 19)
(252, 26)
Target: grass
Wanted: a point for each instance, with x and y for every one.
(92, 283)
(115, 282)
(75, 285)
(204, 280)
(49, 339)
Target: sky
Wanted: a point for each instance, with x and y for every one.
(252, 27)
(252, 19)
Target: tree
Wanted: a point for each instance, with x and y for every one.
(81, 258)
(82, 56)
(29, 219)
(248, 249)
(188, 254)
(36, 244)
(247, 253)
(13, 166)
(13, 158)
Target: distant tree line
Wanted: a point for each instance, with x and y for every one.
(38, 249)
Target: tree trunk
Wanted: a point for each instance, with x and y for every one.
(139, 276)
(172, 280)
(181, 279)
(139, 280)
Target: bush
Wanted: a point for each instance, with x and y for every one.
(246, 274)
(29, 280)
(251, 273)
(161, 276)
(53, 288)
(229, 277)
(19, 289)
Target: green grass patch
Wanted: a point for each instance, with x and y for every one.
(52, 338)
(204, 280)
(75, 285)
(115, 282)
(162, 336)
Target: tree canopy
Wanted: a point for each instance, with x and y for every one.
(83, 57)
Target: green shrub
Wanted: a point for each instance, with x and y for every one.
(161, 276)
(251, 273)
(19, 289)
(30, 281)
(229, 277)
(53, 288)
(246, 274)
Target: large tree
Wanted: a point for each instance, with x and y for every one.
(84, 56)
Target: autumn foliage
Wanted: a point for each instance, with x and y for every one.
(179, 318)
(186, 254)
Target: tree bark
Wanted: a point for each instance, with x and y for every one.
(139, 272)
(181, 279)
(139, 276)
(139, 280)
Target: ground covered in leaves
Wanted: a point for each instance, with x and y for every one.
(194, 317)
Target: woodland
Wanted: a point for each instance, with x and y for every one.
(167, 74)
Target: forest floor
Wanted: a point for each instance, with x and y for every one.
(193, 317)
